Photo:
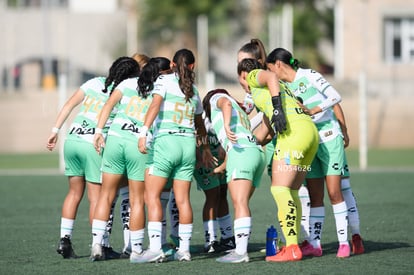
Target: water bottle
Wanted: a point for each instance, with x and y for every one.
(271, 241)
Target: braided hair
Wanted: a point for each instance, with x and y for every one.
(283, 55)
(248, 65)
(150, 73)
(123, 68)
(183, 59)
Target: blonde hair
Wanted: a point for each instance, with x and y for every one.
(142, 59)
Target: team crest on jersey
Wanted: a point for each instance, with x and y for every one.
(301, 88)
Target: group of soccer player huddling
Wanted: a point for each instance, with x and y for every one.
(143, 134)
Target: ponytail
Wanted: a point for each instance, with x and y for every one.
(183, 59)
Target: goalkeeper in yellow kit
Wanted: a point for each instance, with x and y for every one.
(297, 143)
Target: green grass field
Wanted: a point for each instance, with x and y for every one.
(31, 204)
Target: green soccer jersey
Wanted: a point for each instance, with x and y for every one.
(311, 86)
(131, 111)
(239, 124)
(83, 125)
(176, 116)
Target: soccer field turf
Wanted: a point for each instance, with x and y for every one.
(387, 158)
(31, 204)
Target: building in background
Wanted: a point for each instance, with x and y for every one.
(43, 38)
(375, 37)
(374, 65)
(80, 38)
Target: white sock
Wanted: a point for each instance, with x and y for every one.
(174, 216)
(137, 239)
(341, 220)
(184, 232)
(305, 202)
(226, 226)
(242, 230)
(165, 196)
(316, 220)
(125, 211)
(154, 235)
(66, 227)
(98, 230)
(353, 214)
(210, 231)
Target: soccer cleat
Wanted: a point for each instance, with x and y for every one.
(213, 247)
(233, 257)
(228, 243)
(135, 257)
(357, 245)
(65, 248)
(287, 254)
(168, 249)
(308, 250)
(304, 243)
(344, 251)
(147, 256)
(110, 254)
(96, 253)
(182, 256)
(125, 255)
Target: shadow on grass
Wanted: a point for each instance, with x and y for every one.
(253, 249)
(370, 246)
(256, 250)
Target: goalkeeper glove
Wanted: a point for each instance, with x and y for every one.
(278, 117)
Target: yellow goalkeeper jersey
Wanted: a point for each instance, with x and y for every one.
(263, 100)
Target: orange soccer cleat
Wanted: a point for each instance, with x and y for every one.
(287, 254)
